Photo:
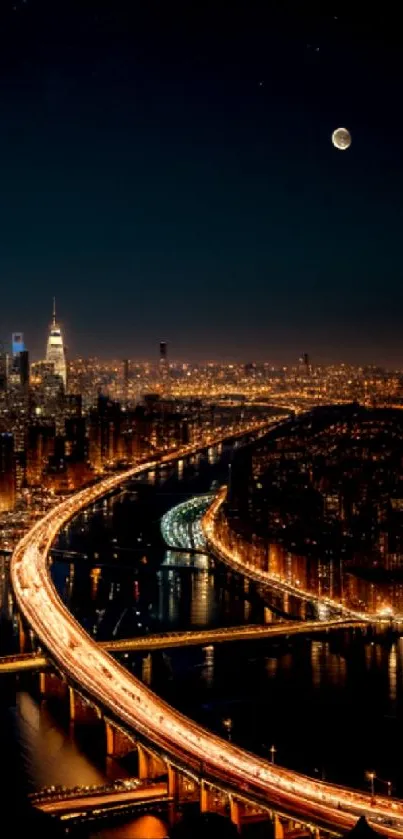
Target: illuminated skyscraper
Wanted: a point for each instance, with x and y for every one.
(17, 343)
(163, 358)
(19, 361)
(55, 353)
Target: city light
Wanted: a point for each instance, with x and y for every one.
(141, 710)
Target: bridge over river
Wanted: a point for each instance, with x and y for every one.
(185, 746)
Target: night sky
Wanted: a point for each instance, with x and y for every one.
(167, 173)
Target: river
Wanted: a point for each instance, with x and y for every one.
(331, 707)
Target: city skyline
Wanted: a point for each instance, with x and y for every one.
(279, 358)
(179, 182)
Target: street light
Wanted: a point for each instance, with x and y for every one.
(389, 783)
(227, 723)
(272, 753)
(371, 777)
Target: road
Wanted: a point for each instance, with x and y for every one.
(125, 698)
(110, 799)
(26, 662)
(181, 525)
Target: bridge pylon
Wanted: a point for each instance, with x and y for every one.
(149, 765)
(146, 669)
(278, 827)
(22, 635)
(235, 812)
(118, 744)
(203, 797)
(81, 711)
(51, 684)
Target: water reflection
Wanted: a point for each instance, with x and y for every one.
(393, 673)
(145, 827)
(49, 756)
(208, 665)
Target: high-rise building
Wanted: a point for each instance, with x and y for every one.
(305, 364)
(73, 405)
(163, 358)
(17, 343)
(55, 352)
(126, 378)
(40, 447)
(18, 373)
(4, 363)
(24, 368)
(105, 441)
(7, 473)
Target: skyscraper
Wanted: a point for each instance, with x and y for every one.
(55, 353)
(163, 358)
(24, 368)
(17, 343)
(305, 364)
(3, 369)
(19, 362)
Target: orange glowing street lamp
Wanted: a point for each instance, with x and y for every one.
(272, 753)
(371, 777)
(227, 723)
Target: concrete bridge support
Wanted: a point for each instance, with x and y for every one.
(22, 635)
(173, 781)
(146, 669)
(81, 711)
(235, 812)
(204, 804)
(173, 791)
(278, 827)
(149, 765)
(118, 744)
(50, 684)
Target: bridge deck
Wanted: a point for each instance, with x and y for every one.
(26, 662)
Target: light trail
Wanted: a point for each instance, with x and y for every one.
(181, 526)
(196, 637)
(109, 800)
(186, 744)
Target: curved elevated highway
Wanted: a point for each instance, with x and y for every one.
(124, 698)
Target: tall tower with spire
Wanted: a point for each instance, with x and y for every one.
(55, 352)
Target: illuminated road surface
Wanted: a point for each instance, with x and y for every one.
(125, 698)
(109, 799)
(181, 526)
(25, 662)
